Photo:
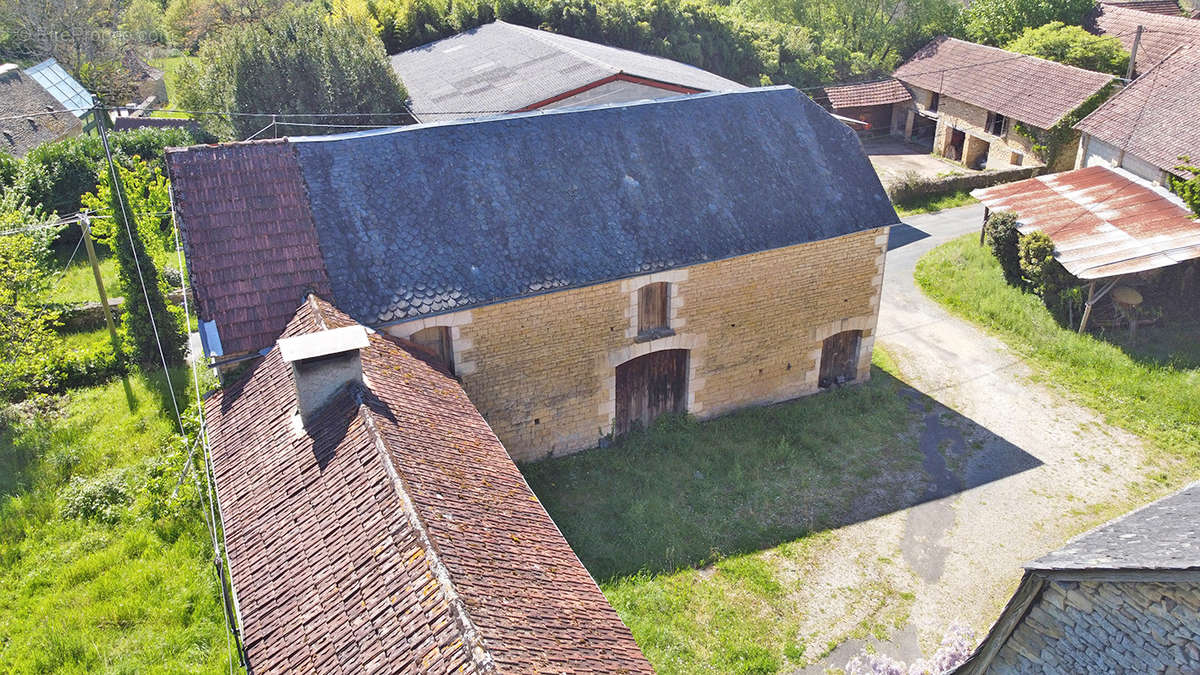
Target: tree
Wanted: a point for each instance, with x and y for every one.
(1001, 236)
(147, 322)
(298, 61)
(1073, 46)
(998, 22)
(27, 337)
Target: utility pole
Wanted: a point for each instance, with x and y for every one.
(1137, 41)
(86, 223)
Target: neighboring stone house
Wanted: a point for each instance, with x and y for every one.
(374, 523)
(881, 106)
(501, 67)
(978, 94)
(1161, 34)
(1149, 125)
(1123, 598)
(31, 116)
(696, 254)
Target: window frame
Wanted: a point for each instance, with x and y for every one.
(442, 348)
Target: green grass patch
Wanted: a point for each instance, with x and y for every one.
(1151, 389)
(934, 203)
(76, 283)
(692, 527)
(170, 67)
(96, 574)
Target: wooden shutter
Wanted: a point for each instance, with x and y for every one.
(436, 339)
(652, 307)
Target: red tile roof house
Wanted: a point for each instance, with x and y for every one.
(374, 523)
(978, 93)
(1149, 125)
(881, 106)
(688, 255)
(1161, 34)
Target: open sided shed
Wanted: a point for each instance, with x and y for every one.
(1105, 222)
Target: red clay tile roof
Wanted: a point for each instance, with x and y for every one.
(1164, 7)
(1024, 88)
(1104, 222)
(883, 92)
(1160, 34)
(400, 537)
(1155, 118)
(248, 233)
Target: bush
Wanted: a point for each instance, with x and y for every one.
(90, 365)
(1046, 276)
(1188, 189)
(103, 498)
(55, 175)
(1001, 236)
(1073, 46)
(998, 22)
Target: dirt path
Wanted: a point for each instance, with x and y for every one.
(1014, 468)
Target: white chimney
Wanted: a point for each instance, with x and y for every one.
(322, 363)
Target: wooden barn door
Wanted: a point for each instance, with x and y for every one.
(649, 386)
(839, 358)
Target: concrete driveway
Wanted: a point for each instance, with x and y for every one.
(892, 158)
(1014, 468)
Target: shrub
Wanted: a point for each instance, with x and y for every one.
(102, 498)
(94, 364)
(910, 185)
(1045, 275)
(1188, 189)
(9, 168)
(55, 175)
(1001, 235)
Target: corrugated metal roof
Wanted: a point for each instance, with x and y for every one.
(1104, 221)
(64, 88)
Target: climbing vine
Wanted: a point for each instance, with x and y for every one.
(1187, 188)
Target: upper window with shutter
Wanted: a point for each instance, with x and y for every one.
(653, 308)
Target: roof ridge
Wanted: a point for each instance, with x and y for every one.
(472, 640)
(1029, 56)
(537, 35)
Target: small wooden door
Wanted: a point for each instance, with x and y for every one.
(839, 358)
(649, 386)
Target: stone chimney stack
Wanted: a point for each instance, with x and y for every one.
(322, 363)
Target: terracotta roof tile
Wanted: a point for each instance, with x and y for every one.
(1024, 88)
(883, 92)
(1161, 35)
(248, 232)
(1154, 118)
(1164, 7)
(336, 565)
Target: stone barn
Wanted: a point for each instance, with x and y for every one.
(580, 271)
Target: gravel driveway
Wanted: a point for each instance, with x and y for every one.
(1015, 469)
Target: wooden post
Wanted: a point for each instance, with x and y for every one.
(1137, 41)
(86, 224)
(1087, 307)
(983, 228)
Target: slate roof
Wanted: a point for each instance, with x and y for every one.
(1163, 535)
(249, 236)
(883, 92)
(1154, 118)
(24, 123)
(1161, 35)
(441, 217)
(398, 536)
(501, 67)
(1024, 88)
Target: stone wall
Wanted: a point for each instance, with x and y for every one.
(1001, 150)
(542, 370)
(1107, 627)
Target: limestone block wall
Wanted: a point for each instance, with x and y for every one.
(542, 370)
(1107, 627)
(956, 114)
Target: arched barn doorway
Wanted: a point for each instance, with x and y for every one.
(649, 386)
(839, 358)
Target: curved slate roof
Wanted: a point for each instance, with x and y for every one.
(1163, 535)
(433, 218)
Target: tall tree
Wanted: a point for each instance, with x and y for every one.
(998, 22)
(1073, 46)
(298, 61)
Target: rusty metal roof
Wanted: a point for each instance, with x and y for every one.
(1104, 221)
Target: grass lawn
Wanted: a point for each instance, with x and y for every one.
(1151, 389)
(170, 67)
(698, 532)
(97, 574)
(77, 283)
(935, 203)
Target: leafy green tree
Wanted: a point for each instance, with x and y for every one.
(998, 22)
(138, 273)
(148, 202)
(1187, 188)
(1001, 236)
(1073, 46)
(27, 337)
(297, 61)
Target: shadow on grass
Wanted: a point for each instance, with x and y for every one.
(686, 493)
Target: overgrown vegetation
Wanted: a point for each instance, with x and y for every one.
(692, 527)
(1188, 189)
(1056, 145)
(1073, 46)
(999, 22)
(105, 560)
(1151, 388)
